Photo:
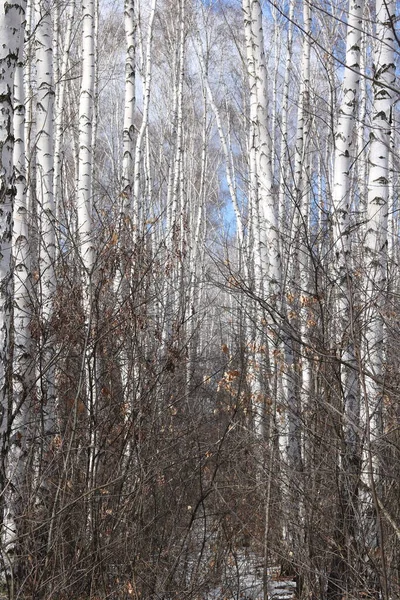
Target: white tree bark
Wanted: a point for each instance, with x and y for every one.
(60, 112)
(284, 157)
(196, 254)
(85, 230)
(258, 78)
(121, 284)
(11, 18)
(252, 16)
(297, 299)
(345, 157)
(377, 210)
(342, 269)
(45, 199)
(12, 187)
(85, 160)
(133, 208)
(362, 145)
(21, 252)
(130, 98)
(175, 231)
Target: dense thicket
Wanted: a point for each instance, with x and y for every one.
(199, 299)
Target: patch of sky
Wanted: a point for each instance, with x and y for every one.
(226, 210)
(219, 3)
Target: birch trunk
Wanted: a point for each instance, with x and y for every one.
(267, 259)
(252, 20)
(45, 201)
(362, 145)
(59, 115)
(299, 267)
(21, 251)
(11, 34)
(85, 160)
(342, 202)
(268, 201)
(284, 158)
(302, 207)
(378, 195)
(85, 232)
(196, 263)
(134, 203)
(297, 363)
(127, 179)
(11, 19)
(376, 245)
(172, 291)
(345, 156)
(130, 98)
(23, 371)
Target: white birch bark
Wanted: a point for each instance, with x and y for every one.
(11, 152)
(267, 260)
(85, 160)
(11, 19)
(133, 200)
(133, 208)
(21, 252)
(297, 380)
(344, 138)
(277, 59)
(268, 202)
(130, 98)
(29, 67)
(345, 157)
(196, 244)
(175, 189)
(302, 114)
(392, 212)
(85, 228)
(300, 265)
(45, 200)
(377, 210)
(290, 376)
(284, 158)
(252, 15)
(121, 284)
(59, 125)
(342, 269)
(362, 145)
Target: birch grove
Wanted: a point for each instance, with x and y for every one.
(199, 300)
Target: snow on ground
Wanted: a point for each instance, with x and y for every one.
(243, 581)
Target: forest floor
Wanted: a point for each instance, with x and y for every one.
(243, 581)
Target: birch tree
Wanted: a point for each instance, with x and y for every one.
(343, 202)
(44, 148)
(267, 259)
(263, 208)
(130, 98)
(85, 235)
(376, 251)
(23, 356)
(85, 159)
(378, 191)
(61, 86)
(133, 205)
(11, 19)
